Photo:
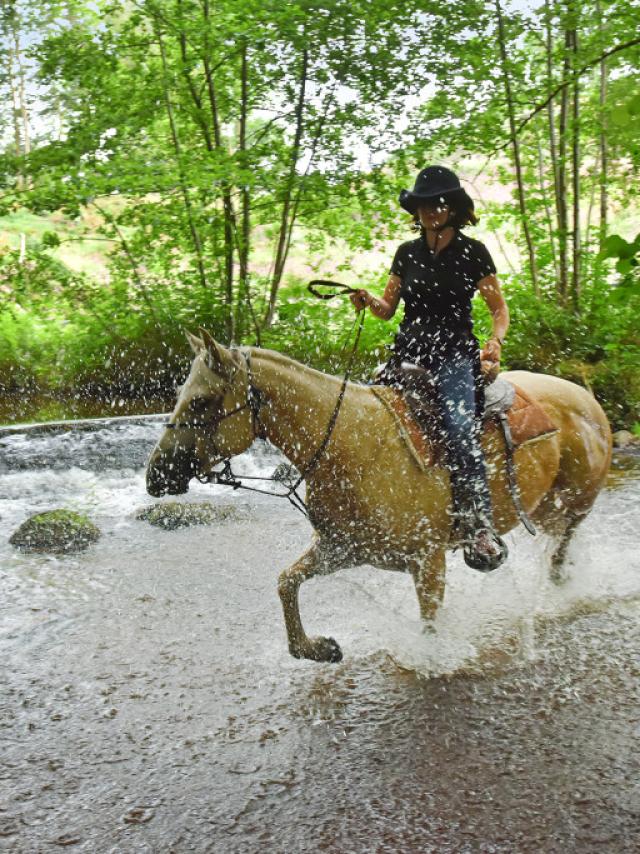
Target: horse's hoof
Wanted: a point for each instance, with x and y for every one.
(559, 574)
(318, 649)
(329, 650)
(427, 626)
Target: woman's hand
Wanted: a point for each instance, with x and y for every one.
(383, 308)
(492, 351)
(490, 360)
(490, 291)
(361, 299)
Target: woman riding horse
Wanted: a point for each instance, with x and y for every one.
(436, 276)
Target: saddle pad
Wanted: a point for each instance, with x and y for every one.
(527, 421)
(420, 448)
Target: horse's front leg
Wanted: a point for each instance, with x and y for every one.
(429, 572)
(312, 562)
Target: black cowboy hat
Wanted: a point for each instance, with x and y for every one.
(432, 183)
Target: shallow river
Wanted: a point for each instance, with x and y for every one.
(149, 704)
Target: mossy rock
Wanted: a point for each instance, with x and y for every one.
(175, 514)
(55, 532)
(286, 474)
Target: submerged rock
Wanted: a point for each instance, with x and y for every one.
(55, 532)
(286, 474)
(175, 514)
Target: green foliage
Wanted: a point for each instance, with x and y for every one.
(600, 348)
(201, 140)
(625, 120)
(37, 294)
(50, 240)
(216, 124)
(627, 265)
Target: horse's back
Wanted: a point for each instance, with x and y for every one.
(564, 401)
(584, 433)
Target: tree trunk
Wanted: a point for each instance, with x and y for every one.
(195, 236)
(244, 295)
(604, 155)
(281, 247)
(15, 113)
(586, 243)
(201, 120)
(227, 203)
(545, 200)
(553, 144)
(575, 168)
(563, 219)
(193, 90)
(22, 100)
(15, 79)
(516, 150)
(314, 145)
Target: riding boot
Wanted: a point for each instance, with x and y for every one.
(482, 548)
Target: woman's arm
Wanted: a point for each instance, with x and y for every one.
(491, 293)
(384, 307)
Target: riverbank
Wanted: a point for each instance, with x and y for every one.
(73, 346)
(29, 407)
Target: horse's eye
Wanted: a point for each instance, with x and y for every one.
(199, 404)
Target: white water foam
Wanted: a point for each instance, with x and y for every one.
(73, 471)
(491, 618)
(369, 611)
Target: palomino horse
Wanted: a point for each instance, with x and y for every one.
(367, 499)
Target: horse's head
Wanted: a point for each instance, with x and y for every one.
(212, 421)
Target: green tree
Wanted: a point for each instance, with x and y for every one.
(217, 124)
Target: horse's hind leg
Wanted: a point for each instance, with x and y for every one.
(558, 573)
(585, 456)
(313, 562)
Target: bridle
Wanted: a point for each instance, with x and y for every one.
(226, 477)
(254, 402)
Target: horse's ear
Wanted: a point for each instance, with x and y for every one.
(197, 345)
(215, 355)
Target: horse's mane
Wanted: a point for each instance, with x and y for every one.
(287, 361)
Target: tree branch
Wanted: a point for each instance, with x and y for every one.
(569, 82)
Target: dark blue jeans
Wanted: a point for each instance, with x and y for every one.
(453, 365)
(454, 380)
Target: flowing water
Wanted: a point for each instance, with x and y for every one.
(149, 703)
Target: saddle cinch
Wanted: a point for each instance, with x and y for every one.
(507, 408)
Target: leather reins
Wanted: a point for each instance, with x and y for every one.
(254, 402)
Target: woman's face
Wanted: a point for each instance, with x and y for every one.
(433, 214)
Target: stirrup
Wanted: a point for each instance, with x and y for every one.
(467, 525)
(483, 562)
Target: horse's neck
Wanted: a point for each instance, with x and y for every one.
(298, 403)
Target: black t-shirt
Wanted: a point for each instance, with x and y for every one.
(437, 291)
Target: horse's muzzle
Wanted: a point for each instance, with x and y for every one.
(169, 475)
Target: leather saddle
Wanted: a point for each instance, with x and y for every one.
(410, 400)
